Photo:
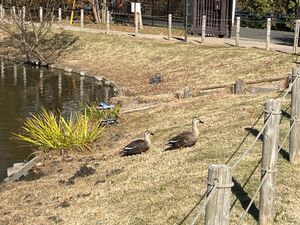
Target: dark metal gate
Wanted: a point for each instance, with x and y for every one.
(218, 17)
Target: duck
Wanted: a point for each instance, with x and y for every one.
(138, 146)
(185, 139)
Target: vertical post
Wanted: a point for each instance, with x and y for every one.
(268, 34)
(296, 38)
(294, 141)
(1, 11)
(186, 20)
(237, 31)
(81, 17)
(217, 208)
(23, 13)
(107, 21)
(170, 26)
(59, 15)
(141, 26)
(136, 21)
(269, 160)
(14, 12)
(203, 34)
(41, 14)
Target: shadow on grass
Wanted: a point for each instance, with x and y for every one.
(243, 141)
(282, 152)
(244, 198)
(254, 132)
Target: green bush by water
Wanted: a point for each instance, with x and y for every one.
(48, 131)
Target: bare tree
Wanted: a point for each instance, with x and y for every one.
(32, 33)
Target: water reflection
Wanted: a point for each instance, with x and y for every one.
(25, 90)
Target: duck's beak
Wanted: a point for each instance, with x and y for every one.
(200, 121)
(151, 133)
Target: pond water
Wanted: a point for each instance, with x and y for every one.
(25, 90)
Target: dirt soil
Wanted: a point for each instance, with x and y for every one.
(160, 187)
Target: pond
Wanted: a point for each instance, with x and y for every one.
(25, 90)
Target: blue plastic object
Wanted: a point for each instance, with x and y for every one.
(104, 105)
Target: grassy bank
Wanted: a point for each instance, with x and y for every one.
(159, 187)
(132, 62)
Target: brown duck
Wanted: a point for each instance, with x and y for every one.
(185, 139)
(138, 146)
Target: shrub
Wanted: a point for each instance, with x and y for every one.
(48, 131)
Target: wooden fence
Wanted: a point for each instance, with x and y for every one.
(81, 19)
(216, 200)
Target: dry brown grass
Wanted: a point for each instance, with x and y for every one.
(156, 187)
(131, 62)
(159, 187)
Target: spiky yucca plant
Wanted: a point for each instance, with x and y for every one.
(48, 131)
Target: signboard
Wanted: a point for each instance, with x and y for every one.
(137, 5)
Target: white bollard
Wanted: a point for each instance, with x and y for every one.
(41, 14)
(59, 15)
(1, 11)
(170, 26)
(203, 33)
(268, 34)
(237, 32)
(23, 13)
(13, 12)
(107, 22)
(81, 17)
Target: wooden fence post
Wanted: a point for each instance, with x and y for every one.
(296, 38)
(217, 208)
(170, 26)
(269, 160)
(294, 141)
(268, 34)
(1, 11)
(13, 12)
(41, 14)
(136, 21)
(141, 26)
(203, 29)
(59, 15)
(81, 17)
(237, 31)
(107, 21)
(24, 13)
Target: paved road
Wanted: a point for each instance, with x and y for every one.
(277, 37)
